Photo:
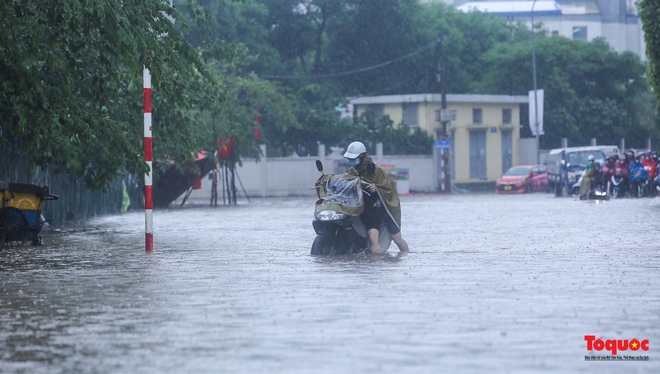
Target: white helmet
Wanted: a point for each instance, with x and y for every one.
(590, 158)
(354, 150)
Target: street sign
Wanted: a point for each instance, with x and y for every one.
(442, 144)
(447, 115)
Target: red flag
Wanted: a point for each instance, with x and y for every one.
(257, 127)
(226, 146)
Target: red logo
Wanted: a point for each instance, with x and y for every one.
(615, 345)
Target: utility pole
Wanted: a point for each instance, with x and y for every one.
(536, 101)
(442, 85)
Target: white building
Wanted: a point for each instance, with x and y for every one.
(617, 21)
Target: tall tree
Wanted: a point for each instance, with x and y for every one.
(70, 81)
(649, 13)
(370, 33)
(591, 91)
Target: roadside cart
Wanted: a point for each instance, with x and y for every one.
(20, 212)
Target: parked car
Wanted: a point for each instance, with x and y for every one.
(523, 179)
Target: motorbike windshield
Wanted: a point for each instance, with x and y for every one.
(344, 191)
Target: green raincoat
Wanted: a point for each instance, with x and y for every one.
(587, 180)
(384, 186)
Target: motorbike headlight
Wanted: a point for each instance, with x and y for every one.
(328, 215)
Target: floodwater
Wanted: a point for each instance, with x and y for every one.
(492, 284)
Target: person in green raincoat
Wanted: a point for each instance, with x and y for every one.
(382, 200)
(589, 178)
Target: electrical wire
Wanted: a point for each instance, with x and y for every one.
(396, 85)
(350, 72)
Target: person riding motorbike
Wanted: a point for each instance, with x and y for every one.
(621, 170)
(381, 200)
(654, 156)
(656, 181)
(590, 180)
(608, 167)
(590, 163)
(651, 168)
(637, 176)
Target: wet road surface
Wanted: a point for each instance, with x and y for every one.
(492, 284)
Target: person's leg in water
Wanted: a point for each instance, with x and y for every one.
(372, 216)
(374, 246)
(395, 232)
(400, 242)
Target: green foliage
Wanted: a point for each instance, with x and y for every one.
(590, 90)
(70, 73)
(396, 140)
(71, 76)
(276, 113)
(649, 13)
(466, 40)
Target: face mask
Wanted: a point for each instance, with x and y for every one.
(354, 161)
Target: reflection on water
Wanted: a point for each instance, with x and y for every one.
(493, 283)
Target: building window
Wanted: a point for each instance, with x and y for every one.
(377, 109)
(580, 33)
(438, 118)
(411, 114)
(506, 116)
(477, 116)
(555, 32)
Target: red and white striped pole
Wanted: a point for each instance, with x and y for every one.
(148, 157)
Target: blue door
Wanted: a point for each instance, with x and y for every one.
(478, 155)
(507, 150)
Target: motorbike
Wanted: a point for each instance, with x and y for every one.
(638, 181)
(337, 223)
(616, 184)
(598, 190)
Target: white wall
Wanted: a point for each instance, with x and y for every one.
(527, 155)
(295, 176)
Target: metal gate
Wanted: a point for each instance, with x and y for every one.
(507, 150)
(478, 154)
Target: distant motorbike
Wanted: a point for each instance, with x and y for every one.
(598, 190)
(616, 186)
(339, 229)
(639, 181)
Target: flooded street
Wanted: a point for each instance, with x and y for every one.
(492, 284)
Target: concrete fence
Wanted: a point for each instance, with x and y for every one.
(295, 176)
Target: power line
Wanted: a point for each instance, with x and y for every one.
(396, 85)
(350, 72)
